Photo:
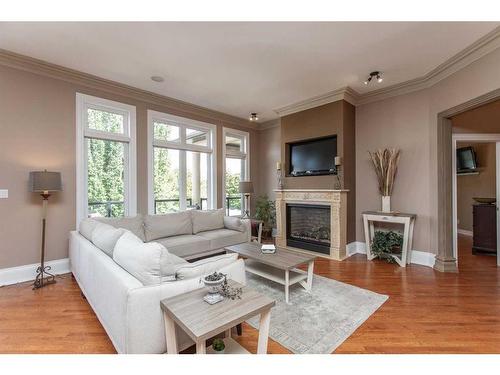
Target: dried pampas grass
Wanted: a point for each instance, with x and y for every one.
(385, 163)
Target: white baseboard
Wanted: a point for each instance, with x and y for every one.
(417, 257)
(14, 275)
(465, 232)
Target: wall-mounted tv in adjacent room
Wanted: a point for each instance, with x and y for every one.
(466, 160)
(313, 157)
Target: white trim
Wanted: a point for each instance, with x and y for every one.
(211, 150)
(344, 93)
(20, 274)
(245, 154)
(417, 257)
(480, 48)
(128, 138)
(477, 138)
(465, 232)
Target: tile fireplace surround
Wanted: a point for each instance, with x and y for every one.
(335, 199)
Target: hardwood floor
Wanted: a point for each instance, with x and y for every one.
(427, 311)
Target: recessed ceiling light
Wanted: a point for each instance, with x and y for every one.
(157, 78)
(253, 117)
(375, 74)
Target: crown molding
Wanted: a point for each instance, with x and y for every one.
(270, 124)
(40, 67)
(480, 48)
(344, 93)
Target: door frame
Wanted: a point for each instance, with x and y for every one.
(445, 260)
(476, 138)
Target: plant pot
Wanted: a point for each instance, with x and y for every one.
(386, 203)
(219, 351)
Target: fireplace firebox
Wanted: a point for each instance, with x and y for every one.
(308, 227)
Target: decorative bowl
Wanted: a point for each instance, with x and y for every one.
(485, 200)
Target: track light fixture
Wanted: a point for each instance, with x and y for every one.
(253, 117)
(373, 75)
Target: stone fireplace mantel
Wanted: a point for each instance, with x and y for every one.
(335, 199)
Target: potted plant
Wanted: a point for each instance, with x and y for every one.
(385, 163)
(213, 282)
(265, 210)
(218, 346)
(385, 244)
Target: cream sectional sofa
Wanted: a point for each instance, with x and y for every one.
(129, 307)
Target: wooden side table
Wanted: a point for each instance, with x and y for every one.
(408, 220)
(202, 321)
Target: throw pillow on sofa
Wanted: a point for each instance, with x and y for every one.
(150, 263)
(132, 223)
(234, 223)
(87, 227)
(207, 220)
(168, 225)
(205, 266)
(105, 236)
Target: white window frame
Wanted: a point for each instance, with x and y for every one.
(128, 137)
(210, 149)
(244, 155)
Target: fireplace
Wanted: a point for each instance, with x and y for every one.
(308, 227)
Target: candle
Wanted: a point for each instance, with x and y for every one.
(278, 165)
(338, 160)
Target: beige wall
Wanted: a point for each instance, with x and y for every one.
(269, 154)
(337, 118)
(410, 122)
(37, 131)
(480, 185)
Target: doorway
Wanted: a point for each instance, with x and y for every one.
(476, 193)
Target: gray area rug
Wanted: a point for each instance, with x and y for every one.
(316, 322)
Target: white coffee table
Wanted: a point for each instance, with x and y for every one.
(280, 267)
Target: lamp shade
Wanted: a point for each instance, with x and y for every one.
(45, 181)
(246, 187)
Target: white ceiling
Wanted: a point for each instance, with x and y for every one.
(238, 68)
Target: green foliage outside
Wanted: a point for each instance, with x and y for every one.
(105, 165)
(386, 243)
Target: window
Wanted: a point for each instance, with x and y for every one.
(105, 158)
(181, 164)
(236, 168)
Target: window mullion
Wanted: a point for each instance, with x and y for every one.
(182, 180)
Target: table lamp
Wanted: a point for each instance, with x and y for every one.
(246, 188)
(44, 182)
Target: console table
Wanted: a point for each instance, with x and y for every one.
(408, 221)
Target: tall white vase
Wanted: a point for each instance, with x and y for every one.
(386, 203)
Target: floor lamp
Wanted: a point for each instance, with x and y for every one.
(44, 182)
(246, 188)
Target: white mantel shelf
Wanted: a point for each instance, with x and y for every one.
(312, 190)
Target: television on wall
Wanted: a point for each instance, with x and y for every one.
(313, 157)
(466, 160)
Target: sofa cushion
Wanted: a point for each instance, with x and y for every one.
(168, 225)
(185, 245)
(234, 223)
(207, 220)
(131, 223)
(105, 236)
(87, 227)
(205, 266)
(223, 237)
(150, 263)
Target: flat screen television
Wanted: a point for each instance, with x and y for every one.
(466, 160)
(313, 157)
